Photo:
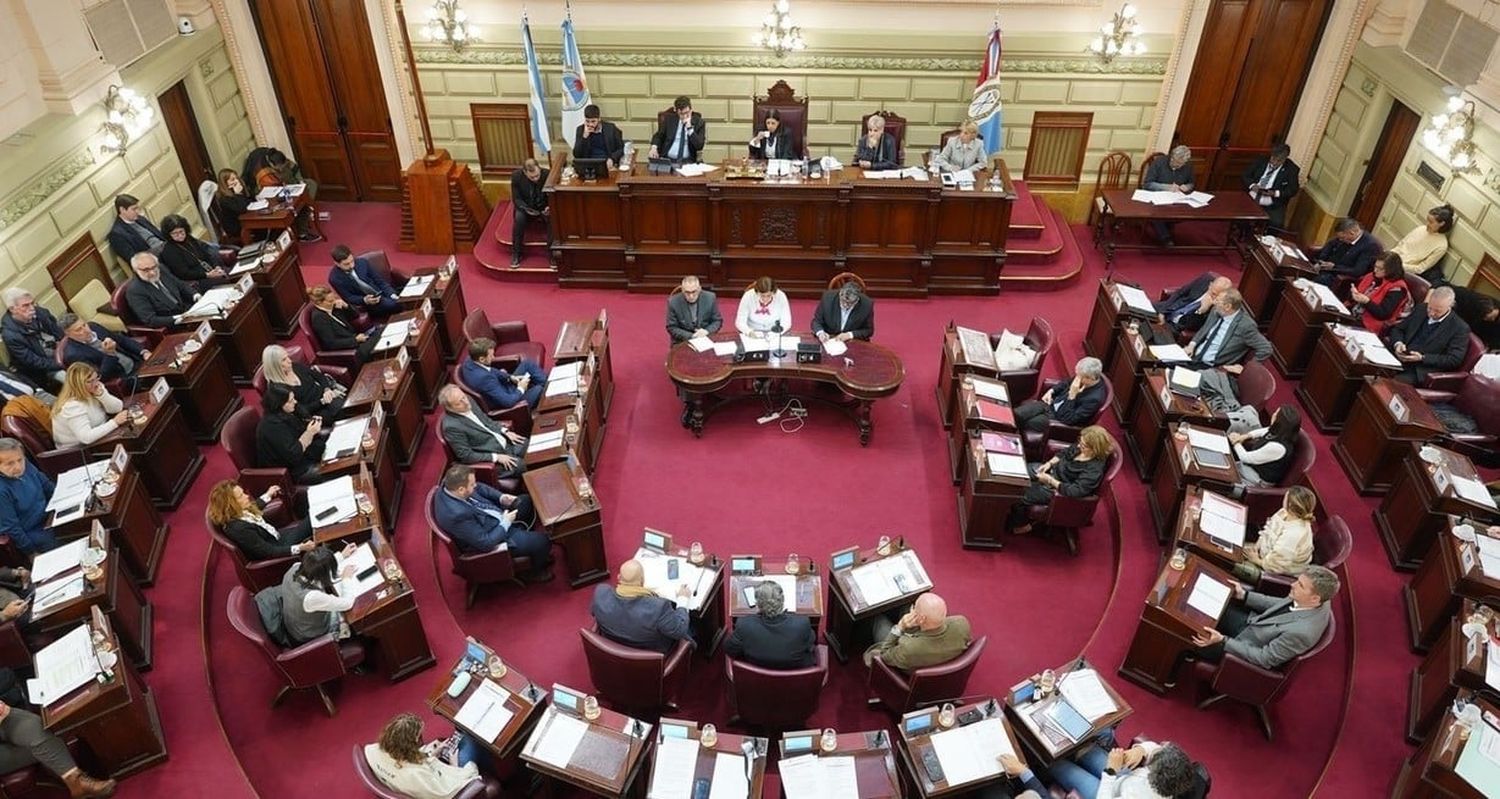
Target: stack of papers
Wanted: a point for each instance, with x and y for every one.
(787, 582)
(50, 595)
(363, 560)
(730, 779)
(888, 578)
(963, 177)
(1185, 379)
(393, 335)
(557, 387)
(1223, 519)
(336, 494)
(835, 347)
(72, 490)
(214, 302)
(989, 390)
(754, 343)
(1209, 596)
(62, 666)
(1196, 199)
(977, 349)
(484, 713)
(701, 343)
(242, 266)
(272, 192)
(1086, 693)
(1489, 554)
(53, 562)
(1213, 442)
(1001, 463)
(695, 170)
(544, 441)
(417, 286)
(565, 371)
(1473, 490)
(676, 762)
(973, 752)
(723, 348)
(1135, 299)
(814, 777)
(1169, 353)
(344, 438)
(654, 565)
(1479, 762)
(557, 738)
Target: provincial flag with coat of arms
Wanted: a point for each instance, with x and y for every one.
(984, 109)
(575, 88)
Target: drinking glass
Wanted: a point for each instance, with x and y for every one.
(830, 740)
(793, 564)
(695, 553)
(1179, 559)
(709, 735)
(590, 707)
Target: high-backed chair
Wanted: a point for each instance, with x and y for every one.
(1036, 443)
(943, 142)
(1140, 181)
(1332, 543)
(1113, 173)
(512, 339)
(838, 280)
(50, 458)
(133, 325)
(775, 699)
(348, 359)
(299, 355)
(1450, 381)
(1418, 287)
(238, 439)
(1243, 681)
(1263, 501)
(518, 416)
(635, 680)
(476, 568)
(895, 124)
(783, 99)
(254, 574)
(14, 652)
(1477, 397)
(483, 472)
(310, 665)
(1067, 514)
(1023, 384)
(380, 264)
(901, 692)
(1255, 384)
(483, 788)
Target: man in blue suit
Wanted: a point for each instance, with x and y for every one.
(480, 518)
(113, 355)
(132, 232)
(632, 614)
(500, 388)
(355, 280)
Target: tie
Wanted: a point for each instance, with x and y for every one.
(679, 148)
(1213, 341)
(162, 289)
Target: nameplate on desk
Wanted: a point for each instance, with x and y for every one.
(160, 390)
(426, 308)
(203, 332)
(118, 457)
(449, 266)
(377, 416)
(1440, 480)
(246, 283)
(1138, 343)
(1398, 408)
(1114, 297)
(1466, 558)
(284, 240)
(1187, 457)
(603, 319)
(403, 358)
(1352, 348)
(1166, 396)
(1471, 647)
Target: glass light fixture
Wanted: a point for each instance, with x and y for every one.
(445, 22)
(778, 31)
(127, 115)
(1451, 135)
(1121, 36)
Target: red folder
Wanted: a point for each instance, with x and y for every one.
(996, 442)
(992, 411)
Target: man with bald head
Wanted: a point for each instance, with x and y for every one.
(925, 636)
(632, 614)
(692, 312)
(1184, 310)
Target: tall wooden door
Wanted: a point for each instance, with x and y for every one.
(1247, 77)
(187, 140)
(323, 65)
(1380, 170)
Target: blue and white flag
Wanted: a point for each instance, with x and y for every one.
(984, 109)
(575, 88)
(540, 134)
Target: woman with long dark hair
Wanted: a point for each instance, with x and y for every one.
(1265, 454)
(194, 262)
(310, 602)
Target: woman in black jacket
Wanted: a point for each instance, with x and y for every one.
(192, 261)
(287, 439)
(1077, 471)
(316, 392)
(230, 201)
(238, 514)
(336, 325)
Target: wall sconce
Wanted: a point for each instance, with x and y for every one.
(447, 23)
(1451, 136)
(1121, 36)
(778, 32)
(127, 116)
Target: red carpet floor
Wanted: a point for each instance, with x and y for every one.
(750, 488)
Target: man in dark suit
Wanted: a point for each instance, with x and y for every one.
(1184, 310)
(132, 232)
(843, 314)
(156, 298)
(596, 138)
(680, 137)
(1432, 339)
(360, 286)
(476, 438)
(500, 388)
(1226, 336)
(1268, 630)
(773, 638)
(632, 614)
(528, 198)
(1076, 404)
(1273, 181)
(693, 312)
(113, 355)
(31, 334)
(1349, 254)
(1481, 313)
(480, 519)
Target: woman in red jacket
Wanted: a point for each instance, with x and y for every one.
(1382, 295)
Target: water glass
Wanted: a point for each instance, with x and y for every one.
(362, 500)
(883, 546)
(695, 553)
(793, 564)
(1179, 559)
(947, 716)
(708, 735)
(590, 707)
(829, 740)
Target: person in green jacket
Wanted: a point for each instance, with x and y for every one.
(925, 636)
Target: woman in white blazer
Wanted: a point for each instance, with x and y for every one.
(85, 411)
(1285, 545)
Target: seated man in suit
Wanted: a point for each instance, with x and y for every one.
(876, 149)
(31, 334)
(843, 314)
(480, 518)
(529, 198)
(693, 312)
(498, 387)
(1076, 404)
(476, 438)
(772, 638)
(925, 636)
(113, 355)
(356, 281)
(1269, 630)
(1481, 313)
(596, 138)
(157, 298)
(1273, 181)
(1184, 310)
(632, 614)
(1226, 336)
(1173, 173)
(132, 232)
(24, 494)
(1349, 254)
(680, 137)
(1432, 339)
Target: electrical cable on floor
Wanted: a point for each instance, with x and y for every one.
(794, 414)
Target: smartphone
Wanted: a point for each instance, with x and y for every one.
(368, 572)
(326, 512)
(673, 568)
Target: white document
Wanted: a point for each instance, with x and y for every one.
(73, 486)
(272, 192)
(63, 665)
(971, 753)
(882, 174)
(1169, 352)
(345, 435)
(559, 739)
(1489, 554)
(484, 712)
(556, 387)
(417, 286)
(544, 441)
(1224, 529)
(988, 390)
(1213, 442)
(1002, 463)
(393, 335)
(813, 777)
(1473, 490)
(755, 344)
(1209, 596)
(676, 761)
(874, 586)
(835, 347)
(241, 267)
(1492, 665)
(654, 568)
(1135, 298)
(1086, 693)
(337, 494)
(695, 170)
(1488, 365)
(701, 343)
(962, 176)
(362, 559)
(56, 592)
(567, 371)
(1187, 378)
(787, 342)
(722, 348)
(1379, 354)
(51, 563)
(840, 781)
(214, 302)
(729, 780)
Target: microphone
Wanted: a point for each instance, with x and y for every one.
(776, 328)
(90, 500)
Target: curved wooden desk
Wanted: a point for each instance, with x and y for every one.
(865, 373)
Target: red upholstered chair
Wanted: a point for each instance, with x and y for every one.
(518, 416)
(1036, 443)
(24, 781)
(895, 124)
(381, 265)
(254, 574)
(512, 339)
(476, 568)
(238, 439)
(310, 665)
(635, 680)
(50, 458)
(150, 336)
(1331, 547)
(1417, 287)
(1234, 678)
(900, 691)
(483, 788)
(783, 98)
(483, 472)
(775, 699)
(1256, 384)
(1450, 381)
(836, 282)
(347, 359)
(1022, 384)
(1266, 500)
(1478, 397)
(1067, 514)
(299, 355)
(14, 653)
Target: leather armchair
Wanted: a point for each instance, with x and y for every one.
(299, 355)
(150, 336)
(512, 339)
(518, 416)
(635, 680)
(24, 781)
(115, 387)
(380, 264)
(1266, 500)
(1068, 514)
(901, 692)
(238, 439)
(254, 575)
(1418, 287)
(48, 457)
(1234, 678)
(1331, 547)
(14, 653)
(1450, 381)
(348, 359)
(1021, 384)
(483, 788)
(1478, 397)
(311, 665)
(476, 568)
(775, 699)
(1255, 385)
(483, 472)
(1036, 443)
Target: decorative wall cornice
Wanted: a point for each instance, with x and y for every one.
(45, 186)
(478, 56)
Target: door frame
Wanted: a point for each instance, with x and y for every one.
(1383, 151)
(198, 147)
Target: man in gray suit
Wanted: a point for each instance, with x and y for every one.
(1268, 630)
(476, 438)
(692, 312)
(1227, 335)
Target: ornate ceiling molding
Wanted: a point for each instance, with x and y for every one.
(34, 195)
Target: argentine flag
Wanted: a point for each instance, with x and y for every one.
(540, 134)
(575, 89)
(984, 109)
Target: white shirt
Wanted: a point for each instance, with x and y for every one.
(752, 318)
(430, 779)
(1269, 452)
(80, 423)
(1131, 784)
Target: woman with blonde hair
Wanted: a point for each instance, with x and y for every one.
(316, 392)
(1285, 545)
(1077, 471)
(335, 325)
(85, 411)
(436, 770)
(239, 516)
(964, 151)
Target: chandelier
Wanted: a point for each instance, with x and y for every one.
(127, 116)
(1121, 36)
(778, 32)
(445, 22)
(1451, 136)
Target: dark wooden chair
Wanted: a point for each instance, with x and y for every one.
(838, 280)
(895, 124)
(783, 99)
(1140, 181)
(1113, 173)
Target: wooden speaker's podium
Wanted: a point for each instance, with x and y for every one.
(442, 209)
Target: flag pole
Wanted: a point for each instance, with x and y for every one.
(431, 156)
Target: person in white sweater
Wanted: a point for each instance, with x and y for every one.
(1285, 545)
(1146, 770)
(1427, 243)
(435, 770)
(761, 307)
(85, 411)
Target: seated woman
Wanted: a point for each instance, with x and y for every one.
(286, 438)
(1426, 244)
(310, 603)
(1075, 472)
(761, 307)
(435, 770)
(317, 393)
(85, 411)
(1146, 770)
(774, 141)
(964, 151)
(238, 515)
(1381, 298)
(1285, 545)
(230, 201)
(876, 149)
(267, 167)
(196, 263)
(336, 325)
(1265, 454)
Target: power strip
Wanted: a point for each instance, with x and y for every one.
(770, 417)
